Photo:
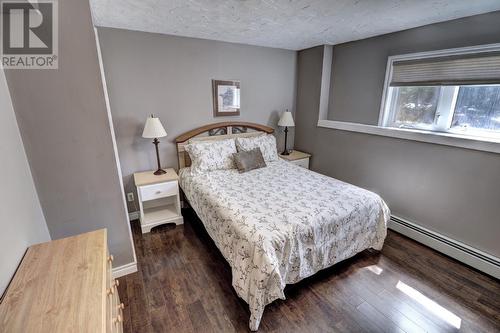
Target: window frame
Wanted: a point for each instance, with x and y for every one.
(448, 95)
(445, 111)
(486, 144)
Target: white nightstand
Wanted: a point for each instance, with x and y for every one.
(298, 158)
(158, 197)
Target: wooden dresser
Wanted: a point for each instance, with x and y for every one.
(64, 286)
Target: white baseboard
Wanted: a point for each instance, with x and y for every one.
(464, 253)
(124, 270)
(133, 215)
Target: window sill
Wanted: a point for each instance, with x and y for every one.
(447, 139)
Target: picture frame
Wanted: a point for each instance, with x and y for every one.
(226, 98)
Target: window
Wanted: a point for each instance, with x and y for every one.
(446, 97)
(414, 107)
(466, 110)
(477, 108)
(458, 94)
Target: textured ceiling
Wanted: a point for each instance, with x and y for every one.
(289, 24)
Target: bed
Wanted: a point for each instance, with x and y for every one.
(279, 224)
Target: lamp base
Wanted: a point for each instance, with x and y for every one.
(285, 151)
(159, 172)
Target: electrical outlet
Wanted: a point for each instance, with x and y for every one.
(130, 197)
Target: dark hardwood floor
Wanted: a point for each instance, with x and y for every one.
(184, 285)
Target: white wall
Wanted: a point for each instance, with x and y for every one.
(21, 218)
(65, 128)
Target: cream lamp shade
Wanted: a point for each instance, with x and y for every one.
(153, 128)
(286, 120)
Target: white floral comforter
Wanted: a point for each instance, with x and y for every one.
(282, 223)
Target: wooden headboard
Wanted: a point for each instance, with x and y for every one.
(216, 131)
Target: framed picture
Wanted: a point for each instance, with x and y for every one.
(226, 96)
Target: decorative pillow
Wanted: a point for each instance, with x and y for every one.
(210, 156)
(266, 143)
(249, 160)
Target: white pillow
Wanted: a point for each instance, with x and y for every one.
(210, 156)
(266, 143)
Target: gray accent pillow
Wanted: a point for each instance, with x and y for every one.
(249, 160)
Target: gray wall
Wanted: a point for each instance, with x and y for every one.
(451, 190)
(21, 218)
(64, 125)
(358, 73)
(171, 77)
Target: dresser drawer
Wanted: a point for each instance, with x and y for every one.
(156, 191)
(114, 311)
(109, 296)
(115, 314)
(118, 313)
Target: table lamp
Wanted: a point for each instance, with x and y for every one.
(154, 130)
(286, 120)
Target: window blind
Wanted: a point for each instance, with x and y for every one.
(479, 68)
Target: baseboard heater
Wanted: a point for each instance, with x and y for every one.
(473, 257)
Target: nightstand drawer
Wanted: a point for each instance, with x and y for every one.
(156, 191)
(304, 162)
